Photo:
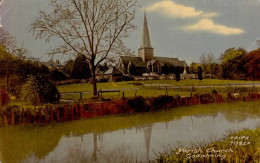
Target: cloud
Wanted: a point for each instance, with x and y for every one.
(170, 9)
(210, 15)
(207, 25)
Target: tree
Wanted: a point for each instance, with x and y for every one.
(194, 67)
(209, 65)
(8, 64)
(57, 75)
(68, 67)
(253, 65)
(80, 68)
(233, 63)
(93, 28)
(10, 45)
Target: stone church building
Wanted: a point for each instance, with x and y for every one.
(147, 63)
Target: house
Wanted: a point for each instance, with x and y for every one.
(147, 63)
(112, 73)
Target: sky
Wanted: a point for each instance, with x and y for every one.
(184, 29)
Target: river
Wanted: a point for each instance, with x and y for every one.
(127, 138)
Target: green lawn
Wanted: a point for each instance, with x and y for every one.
(149, 91)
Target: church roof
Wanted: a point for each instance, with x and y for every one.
(137, 61)
(146, 43)
(166, 61)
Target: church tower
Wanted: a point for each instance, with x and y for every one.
(146, 50)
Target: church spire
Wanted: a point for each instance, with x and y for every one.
(145, 51)
(146, 38)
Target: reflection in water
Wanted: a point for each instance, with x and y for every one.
(124, 138)
(147, 136)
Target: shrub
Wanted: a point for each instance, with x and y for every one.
(128, 78)
(138, 104)
(16, 83)
(161, 101)
(104, 80)
(117, 79)
(31, 91)
(206, 98)
(57, 75)
(39, 90)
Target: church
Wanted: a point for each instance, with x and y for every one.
(147, 63)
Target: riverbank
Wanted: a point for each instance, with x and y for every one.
(113, 135)
(242, 146)
(16, 115)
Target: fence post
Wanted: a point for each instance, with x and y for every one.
(135, 92)
(123, 96)
(80, 98)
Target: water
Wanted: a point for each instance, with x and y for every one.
(129, 138)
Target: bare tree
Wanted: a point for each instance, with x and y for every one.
(10, 44)
(7, 41)
(94, 28)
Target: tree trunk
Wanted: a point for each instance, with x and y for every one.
(94, 82)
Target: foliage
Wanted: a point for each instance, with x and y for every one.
(80, 68)
(159, 102)
(68, 68)
(10, 44)
(8, 62)
(31, 92)
(39, 90)
(138, 104)
(57, 75)
(253, 65)
(16, 83)
(194, 67)
(128, 78)
(104, 80)
(233, 64)
(27, 68)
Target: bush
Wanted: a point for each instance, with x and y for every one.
(57, 75)
(39, 90)
(206, 98)
(16, 83)
(138, 104)
(103, 80)
(117, 79)
(161, 101)
(128, 78)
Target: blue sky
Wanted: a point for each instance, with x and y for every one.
(178, 28)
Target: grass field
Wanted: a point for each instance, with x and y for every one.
(245, 147)
(137, 88)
